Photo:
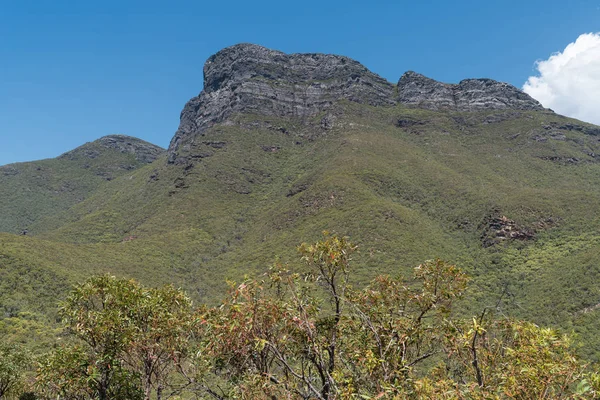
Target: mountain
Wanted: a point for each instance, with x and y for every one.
(34, 190)
(278, 147)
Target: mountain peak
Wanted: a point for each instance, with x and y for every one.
(248, 78)
(142, 151)
(254, 79)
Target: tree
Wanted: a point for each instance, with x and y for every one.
(507, 358)
(14, 362)
(97, 314)
(279, 337)
(129, 339)
(163, 325)
(74, 372)
(310, 335)
(395, 327)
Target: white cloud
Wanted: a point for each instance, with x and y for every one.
(569, 81)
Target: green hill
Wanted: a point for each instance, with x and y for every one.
(31, 191)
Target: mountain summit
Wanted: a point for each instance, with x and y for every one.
(248, 78)
(253, 79)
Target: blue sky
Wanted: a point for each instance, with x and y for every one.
(73, 71)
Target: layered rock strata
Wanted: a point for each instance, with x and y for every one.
(468, 95)
(247, 78)
(253, 79)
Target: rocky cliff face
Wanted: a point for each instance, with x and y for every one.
(250, 78)
(253, 79)
(468, 95)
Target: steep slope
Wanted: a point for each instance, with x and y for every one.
(278, 147)
(33, 190)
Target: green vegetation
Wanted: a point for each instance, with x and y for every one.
(303, 334)
(427, 187)
(34, 190)
(126, 334)
(14, 363)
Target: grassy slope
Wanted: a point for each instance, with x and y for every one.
(31, 191)
(404, 194)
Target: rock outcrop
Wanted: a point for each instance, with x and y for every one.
(468, 95)
(499, 229)
(252, 79)
(591, 130)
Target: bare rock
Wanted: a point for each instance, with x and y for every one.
(591, 130)
(424, 92)
(468, 95)
(253, 79)
(9, 170)
(499, 229)
(328, 121)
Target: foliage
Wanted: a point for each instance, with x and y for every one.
(278, 338)
(300, 335)
(507, 359)
(130, 338)
(74, 372)
(407, 193)
(163, 328)
(14, 362)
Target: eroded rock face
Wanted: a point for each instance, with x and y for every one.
(501, 228)
(253, 79)
(419, 90)
(586, 129)
(468, 95)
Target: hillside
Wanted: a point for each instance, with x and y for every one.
(31, 191)
(279, 147)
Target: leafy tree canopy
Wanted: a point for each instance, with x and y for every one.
(300, 335)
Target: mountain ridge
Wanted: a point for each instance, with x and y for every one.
(472, 94)
(248, 78)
